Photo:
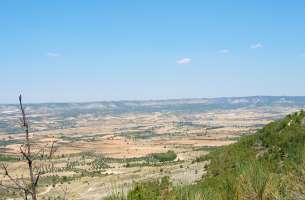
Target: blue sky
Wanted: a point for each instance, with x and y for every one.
(57, 51)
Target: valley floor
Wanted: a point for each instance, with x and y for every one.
(107, 155)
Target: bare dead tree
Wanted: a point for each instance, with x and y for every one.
(27, 185)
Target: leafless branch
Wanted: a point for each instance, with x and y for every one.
(28, 185)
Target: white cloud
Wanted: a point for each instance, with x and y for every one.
(53, 54)
(184, 61)
(224, 51)
(257, 46)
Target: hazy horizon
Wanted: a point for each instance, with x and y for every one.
(144, 100)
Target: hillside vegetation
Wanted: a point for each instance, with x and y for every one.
(267, 165)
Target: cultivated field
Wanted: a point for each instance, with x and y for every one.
(102, 151)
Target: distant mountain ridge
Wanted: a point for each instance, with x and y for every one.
(246, 99)
(171, 105)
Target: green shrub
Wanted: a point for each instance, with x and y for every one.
(163, 157)
(152, 190)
